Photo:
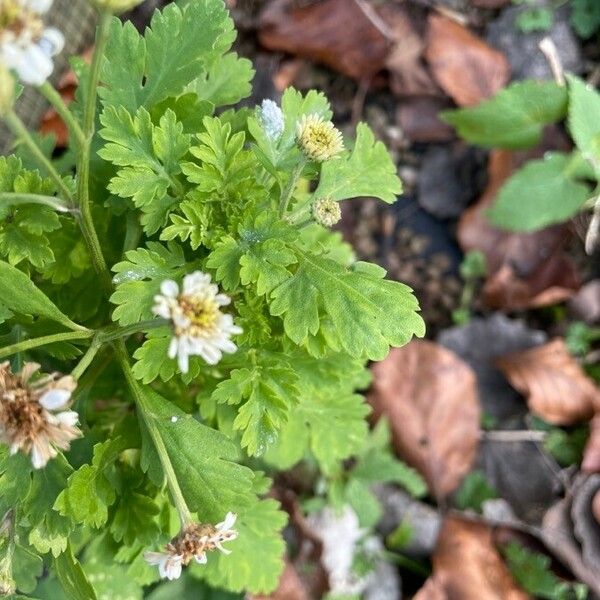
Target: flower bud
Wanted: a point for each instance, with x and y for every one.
(117, 6)
(271, 118)
(319, 140)
(326, 212)
(7, 90)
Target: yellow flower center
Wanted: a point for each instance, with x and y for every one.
(202, 312)
(15, 19)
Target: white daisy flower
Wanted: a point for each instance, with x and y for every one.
(26, 44)
(33, 413)
(192, 543)
(199, 326)
(271, 118)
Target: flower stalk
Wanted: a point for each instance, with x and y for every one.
(185, 515)
(51, 94)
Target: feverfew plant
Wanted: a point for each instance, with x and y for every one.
(178, 321)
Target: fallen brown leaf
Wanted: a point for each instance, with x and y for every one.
(591, 454)
(408, 74)
(557, 388)
(557, 535)
(419, 120)
(596, 506)
(467, 566)
(290, 586)
(430, 397)
(346, 35)
(490, 3)
(464, 66)
(585, 305)
(585, 526)
(433, 589)
(524, 269)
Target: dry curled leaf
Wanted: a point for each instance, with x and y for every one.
(430, 397)
(464, 66)
(346, 35)
(591, 454)
(525, 270)
(467, 566)
(556, 387)
(408, 73)
(418, 118)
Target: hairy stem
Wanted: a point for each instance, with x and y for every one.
(85, 220)
(13, 199)
(45, 340)
(50, 93)
(86, 359)
(19, 130)
(159, 444)
(288, 191)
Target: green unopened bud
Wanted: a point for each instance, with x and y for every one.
(326, 212)
(7, 90)
(117, 6)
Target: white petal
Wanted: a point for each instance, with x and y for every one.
(183, 359)
(52, 41)
(210, 354)
(195, 282)
(38, 6)
(173, 347)
(68, 418)
(223, 550)
(36, 66)
(161, 308)
(222, 299)
(171, 568)
(55, 399)
(169, 288)
(201, 558)
(155, 558)
(228, 522)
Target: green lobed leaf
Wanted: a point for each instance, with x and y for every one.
(138, 279)
(91, 489)
(203, 460)
(541, 193)
(256, 560)
(20, 295)
(149, 156)
(49, 529)
(367, 171)
(266, 393)
(143, 71)
(584, 112)
(367, 313)
(331, 425)
(23, 227)
(227, 81)
(134, 519)
(72, 578)
(514, 118)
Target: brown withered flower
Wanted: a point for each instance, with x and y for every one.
(34, 415)
(192, 543)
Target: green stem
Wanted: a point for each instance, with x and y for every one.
(291, 186)
(85, 220)
(44, 340)
(86, 359)
(133, 232)
(20, 132)
(114, 332)
(50, 93)
(13, 199)
(176, 493)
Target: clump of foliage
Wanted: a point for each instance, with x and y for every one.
(552, 189)
(209, 328)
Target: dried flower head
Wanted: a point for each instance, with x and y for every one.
(26, 44)
(33, 415)
(318, 139)
(271, 119)
(199, 326)
(326, 211)
(193, 542)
